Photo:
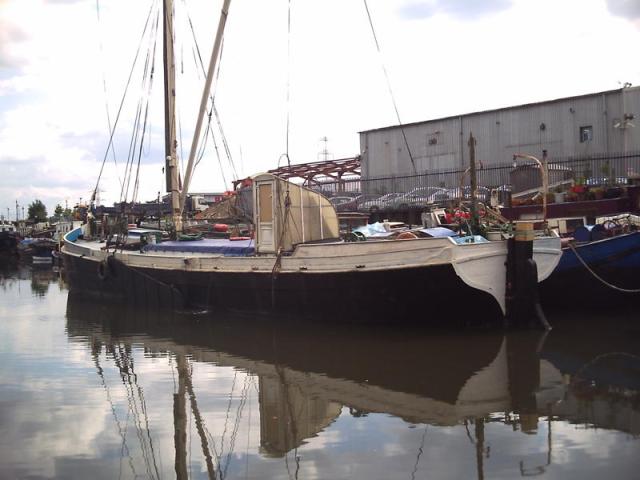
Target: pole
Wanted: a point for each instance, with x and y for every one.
(203, 102)
(475, 221)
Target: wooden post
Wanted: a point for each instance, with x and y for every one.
(522, 299)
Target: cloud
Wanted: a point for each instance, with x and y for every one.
(629, 9)
(10, 35)
(458, 9)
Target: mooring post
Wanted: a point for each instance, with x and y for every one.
(522, 299)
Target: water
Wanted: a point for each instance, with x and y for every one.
(105, 391)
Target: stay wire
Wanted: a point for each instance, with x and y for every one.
(136, 136)
(106, 154)
(145, 123)
(200, 63)
(288, 82)
(386, 75)
(104, 87)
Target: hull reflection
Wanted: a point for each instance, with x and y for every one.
(308, 373)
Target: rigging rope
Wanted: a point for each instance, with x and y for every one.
(599, 278)
(287, 199)
(288, 81)
(135, 60)
(198, 61)
(104, 88)
(386, 75)
(139, 131)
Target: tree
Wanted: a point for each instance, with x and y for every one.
(37, 211)
(58, 211)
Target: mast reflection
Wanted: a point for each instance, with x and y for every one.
(309, 375)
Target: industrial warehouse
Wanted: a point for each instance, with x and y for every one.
(592, 125)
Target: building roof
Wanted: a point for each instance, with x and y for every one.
(502, 109)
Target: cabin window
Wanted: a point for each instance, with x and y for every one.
(586, 134)
(266, 209)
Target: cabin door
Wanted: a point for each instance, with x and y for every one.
(265, 227)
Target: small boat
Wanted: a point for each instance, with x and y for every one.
(9, 238)
(38, 251)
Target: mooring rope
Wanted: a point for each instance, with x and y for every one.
(615, 287)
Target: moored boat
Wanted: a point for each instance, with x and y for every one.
(295, 261)
(9, 239)
(604, 272)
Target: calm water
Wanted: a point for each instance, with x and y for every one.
(102, 391)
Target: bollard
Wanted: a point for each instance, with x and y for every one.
(521, 297)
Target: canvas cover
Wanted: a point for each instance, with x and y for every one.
(310, 217)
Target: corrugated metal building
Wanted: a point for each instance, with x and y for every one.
(593, 124)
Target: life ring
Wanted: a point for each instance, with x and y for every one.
(406, 236)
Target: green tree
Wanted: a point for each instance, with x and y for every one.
(58, 211)
(37, 211)
(67, 213)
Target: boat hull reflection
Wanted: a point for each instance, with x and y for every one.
(419, 376)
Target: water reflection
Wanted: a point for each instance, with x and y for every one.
(40, 277)
(105, 391)
(310, 377)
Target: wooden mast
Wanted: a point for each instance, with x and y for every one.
(171, 160)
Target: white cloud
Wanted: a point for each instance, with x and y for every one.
(442, 58)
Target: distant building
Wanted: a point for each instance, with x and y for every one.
(593, 124)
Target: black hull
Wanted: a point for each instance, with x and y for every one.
(8, 244)
(432, 295)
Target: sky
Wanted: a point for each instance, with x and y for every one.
(281, 87)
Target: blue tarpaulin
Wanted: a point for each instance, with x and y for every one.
(222, 246)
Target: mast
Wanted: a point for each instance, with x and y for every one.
(205, 96)
(171, 159)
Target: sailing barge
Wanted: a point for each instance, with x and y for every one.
(296, 263)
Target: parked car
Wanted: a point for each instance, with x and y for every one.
(343, 204)
(365, 197)
(483, 194)
(379, 203)
(418, 197)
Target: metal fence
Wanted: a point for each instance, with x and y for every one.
(591, 171)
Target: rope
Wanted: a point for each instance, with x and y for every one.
(198, 61)
(277, 265)
(135, 60)
(620, 289)
(386, 76)
(104, 87)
